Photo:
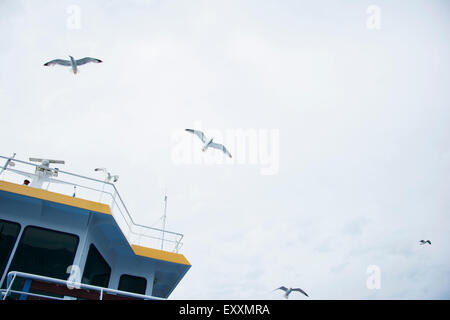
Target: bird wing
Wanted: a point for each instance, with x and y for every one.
(220, 147)
(87, 60)
(200, 134)
(428, 241)
(300, 290)
(58, 61)
(282, 288)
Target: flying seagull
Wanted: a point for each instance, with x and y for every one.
(109, 177)
(208, 143)
(72, 62)
(424, 242)
(288, 291)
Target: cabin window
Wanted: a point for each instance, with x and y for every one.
(132, 284)
(96, 270)
(44, 252)
(9, 231)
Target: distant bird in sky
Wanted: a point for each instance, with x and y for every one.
(425, 242)
(72, 62)
(208, 143)
(288, 291)
(109, 177)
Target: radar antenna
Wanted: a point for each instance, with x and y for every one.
(43, 171)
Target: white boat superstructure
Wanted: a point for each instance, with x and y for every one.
(42, 202)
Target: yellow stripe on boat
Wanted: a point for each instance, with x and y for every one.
(160, 254)
(54, 197)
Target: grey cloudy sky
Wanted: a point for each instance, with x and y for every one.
(362, 116)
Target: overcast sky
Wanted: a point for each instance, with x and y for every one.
(357, 92)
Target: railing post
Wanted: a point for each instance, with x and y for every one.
(113, 202)
(7, 163)
(26, 289)
(9, 287)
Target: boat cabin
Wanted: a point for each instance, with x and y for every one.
(66, 236)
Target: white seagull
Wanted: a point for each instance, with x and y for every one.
(109, 177)
(424, 242)
(72, 62)
(208, 143)
(288, 291)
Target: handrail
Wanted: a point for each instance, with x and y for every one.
(117, 202)
(3, 294)
(12, 275)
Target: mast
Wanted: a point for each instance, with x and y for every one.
(164, 220)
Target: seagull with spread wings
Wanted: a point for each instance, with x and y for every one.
(288, 291)
(72, 62)
(208, 143)
(425, 242)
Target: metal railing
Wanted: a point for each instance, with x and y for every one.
(92, 189)
(13, 275)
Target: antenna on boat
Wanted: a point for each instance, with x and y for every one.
(47, 161)
(164, 219)
(108, 178)
(43, 171)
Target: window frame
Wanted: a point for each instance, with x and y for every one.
(130, 275)
(92, 245)
(13, 248)
(19, 241)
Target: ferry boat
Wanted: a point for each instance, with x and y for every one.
(65, 236)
